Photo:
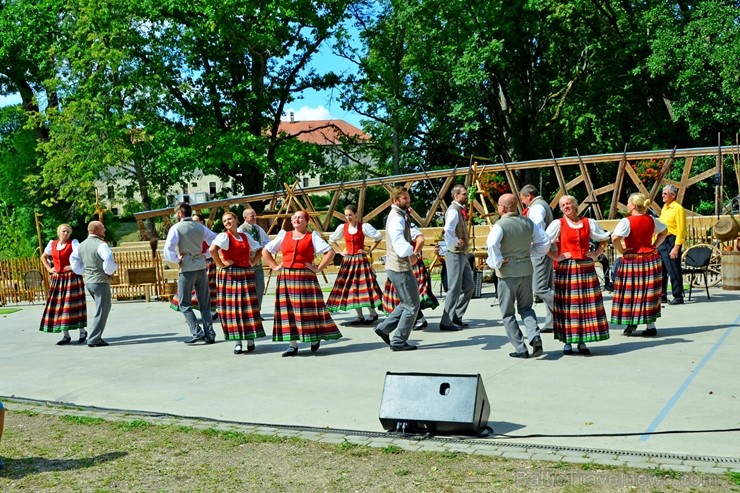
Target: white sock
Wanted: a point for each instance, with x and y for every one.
(372, 311)
(359, 312)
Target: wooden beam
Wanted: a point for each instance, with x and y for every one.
(618, 184)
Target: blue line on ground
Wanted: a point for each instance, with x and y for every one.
(667, 408)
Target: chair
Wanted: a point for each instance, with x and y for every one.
(697, 263)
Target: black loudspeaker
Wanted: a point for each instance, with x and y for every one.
(434, 403)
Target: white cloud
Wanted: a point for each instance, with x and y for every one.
(306, 113)
(8, 100)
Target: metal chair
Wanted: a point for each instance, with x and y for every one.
(697, 263)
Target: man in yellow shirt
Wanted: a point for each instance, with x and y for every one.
(672, 215)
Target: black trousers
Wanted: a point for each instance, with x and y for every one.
(671, 267)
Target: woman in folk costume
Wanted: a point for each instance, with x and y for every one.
(65, 308)
(639, 283)
(238, 308)
(578, 315)
(426, 296)
(211, 273)
(356, 285)
(300, 311)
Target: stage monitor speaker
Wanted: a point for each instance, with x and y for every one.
(434, 403)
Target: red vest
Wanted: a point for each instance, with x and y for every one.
(354, 242)
(574, 240)
(640, 239)
(297, 253)
(238, 250)
(61, 257)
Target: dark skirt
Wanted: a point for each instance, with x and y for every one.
(578, 313)
(65, 308)
(426, 296)
(356, 285)
(211, 272)
(300, 311)
(638, 288)
(238, 308)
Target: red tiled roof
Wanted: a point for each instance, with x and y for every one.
(322, 132)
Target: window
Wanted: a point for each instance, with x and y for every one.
(305, 181)
(111, 192)
(115, 211)
(212, 187)
(185, 189)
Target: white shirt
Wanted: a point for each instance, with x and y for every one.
(104, 252)
(623, 229)
(48, 251)
(320, 246)
(222, 241)
(451, 219)
(597, 233)
(394, 227)
(367, 229)
(246, 228)
(173, 238)
(537, 214)
(539, 247)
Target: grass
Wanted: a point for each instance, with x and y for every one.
(80, 453)
(8, 311)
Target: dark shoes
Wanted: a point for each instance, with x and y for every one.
(291, 351)
(251, 347)
(459, 323)
(315, 346)
(567, 350)
(421, 324)
(102, 343)
(584, 350)
(649, 332)
(449, 328)
(371, 320)
(383, 336)
(676, 301)
(404, 347)
(664, 299)
(195, 339)
(64, 341)
(536, 347)
(523, 354)
(238, 349)
(629, 330)
(357, 321)
(547, 330)
(83, 337)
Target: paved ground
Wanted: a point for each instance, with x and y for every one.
(599, 408)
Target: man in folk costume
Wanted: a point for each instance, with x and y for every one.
(511, 242)
(460, 282)
(95, 259)
(184, 246)
(259, 235)
(543, 278)
(399, 260)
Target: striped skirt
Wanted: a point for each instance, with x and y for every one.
(637, 290)
(578, 312)
(211, 272)
(356, 285)
(238, 308)
(428, 300)
(65, 308)
(300, 311)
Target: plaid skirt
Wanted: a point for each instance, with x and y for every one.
(578, 314)
(356, 285)
(638, 289)
(300, 311)
(211, 272)
(426, 296)
(65, 308)
(238, 308)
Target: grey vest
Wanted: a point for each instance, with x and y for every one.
(190, 245)
(516, 245)
(461, 230)
(392, 260)
(88, 252)
(546, 206)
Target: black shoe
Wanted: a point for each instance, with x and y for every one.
(547, 330)
(449, 328)
(422, 325)
(664, 299)
(567, 351)
(315, 346)
(251, 347)
(291, 351)
(357, 321)
(64, 341)
(459, 323)
(523, 354)
(676, 301)
(83, 337)
(536, 347)
(629, 330)
(383, 336)
(404, 347)
(195, 339)
(649, 333)
(583, 349)
(238, 349)
(102, 343)
(608, 287)
(371, 320)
